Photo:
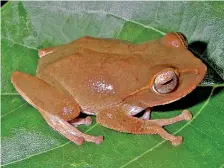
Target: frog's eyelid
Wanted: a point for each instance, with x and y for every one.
(175, 39)
(182, 38)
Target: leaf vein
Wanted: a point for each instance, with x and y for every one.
(23, 45)
(222, 166)
(13, 110)
(61, 30)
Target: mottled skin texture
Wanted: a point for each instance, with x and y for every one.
(113, 80)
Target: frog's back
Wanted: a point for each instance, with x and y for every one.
(96, 72)
(109, 46)
(98, 79)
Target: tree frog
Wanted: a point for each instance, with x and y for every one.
(114, 80)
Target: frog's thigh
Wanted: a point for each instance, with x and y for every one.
(42, 95)
(56, 107)
(118, 119)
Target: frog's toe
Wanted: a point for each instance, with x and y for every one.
(90, 138)
(186, 115)
(98, 139)
(77, 140)
(88, 121)
(177, 141)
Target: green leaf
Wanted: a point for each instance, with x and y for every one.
(27, 140)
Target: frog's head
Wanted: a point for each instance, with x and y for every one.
(174, 73)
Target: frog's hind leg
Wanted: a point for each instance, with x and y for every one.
(56, 107)
(117, 118)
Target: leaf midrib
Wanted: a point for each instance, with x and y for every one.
(134, 159)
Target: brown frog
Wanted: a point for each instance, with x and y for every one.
(114, 80)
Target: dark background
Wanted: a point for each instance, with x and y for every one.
(3, 2)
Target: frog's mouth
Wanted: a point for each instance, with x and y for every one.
(188, 80)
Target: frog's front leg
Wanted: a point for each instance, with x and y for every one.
(119, 119)
(56, 107)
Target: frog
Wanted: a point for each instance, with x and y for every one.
(116, 81)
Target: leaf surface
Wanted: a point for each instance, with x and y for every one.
(27, 140)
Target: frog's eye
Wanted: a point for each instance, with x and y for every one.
(165, 81)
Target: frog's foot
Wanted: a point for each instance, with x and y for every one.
(71, 133)
(118, 119)
(56, 107)
(79, 121)
(185, 115)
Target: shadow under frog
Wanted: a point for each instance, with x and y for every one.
(114, 80)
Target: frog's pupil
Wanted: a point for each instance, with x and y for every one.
(168, 82)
